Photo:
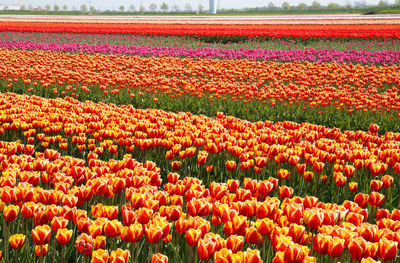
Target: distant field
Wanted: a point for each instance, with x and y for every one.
(219, 19)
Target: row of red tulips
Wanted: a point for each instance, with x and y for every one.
(300, 31)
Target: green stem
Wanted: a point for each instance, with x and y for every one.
(41, 254)
(316, 185)
(6, 241)
(150, 253)
(54, 250)
(133, 246)
(62, 254)
(190, 257)
(336, 194)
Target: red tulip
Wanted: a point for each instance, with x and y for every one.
(357, 247)
(17, 241)
(100, 256)
(285, 192)
(376, 199)
(230, 165)
(41, 235)
(361, 199)
(387, 249)
(206, 248)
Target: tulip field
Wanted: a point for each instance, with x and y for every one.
(225, 143)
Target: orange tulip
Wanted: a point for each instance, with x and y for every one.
(119, 256)
(295, 253)
(279, 257)
(353, 186)
(112, 228)
(387, 181)
(308, 176)
(63, 236)
(193, 236)
(159, 258)
(349, 170)
(312, 218)
(154, 233)
(10, 212)
(357, 247)
(41, 250)
(361, 200)
(285, 192)
(176, 165)
(84, 244)
(253, 237)
(376, 199)
(235, 243)
(368, 260)
(133, 233)
(99, 242)
(372, 250)
(376, 185)
(41, 235)
(252, 256)
(17, 241)
(335, 247)
(387, 249)
(206, 249)
(57, 223)
(100, 256)
(230, 165)
(283, 174)
(144, 215)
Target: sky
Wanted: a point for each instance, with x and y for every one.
(115, 4)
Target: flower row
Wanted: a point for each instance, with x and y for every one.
(324, 86)
(301, 31)
(387, 57)
(97, 206)
(312, 159)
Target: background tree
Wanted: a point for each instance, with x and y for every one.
(397, 2)
(122, 8)
(271, 6)
(153, 7)
(315, 5)
(382, 3)
(47, 7)
(164, 7)
(142, 9)
(188, 7)
(333, 5)
(301, 7)
(175, 8)
(285, 6)
(56, 8)
(84, 8)
(65, 7)
(131, 8)
(200, 8)
(93, 9)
